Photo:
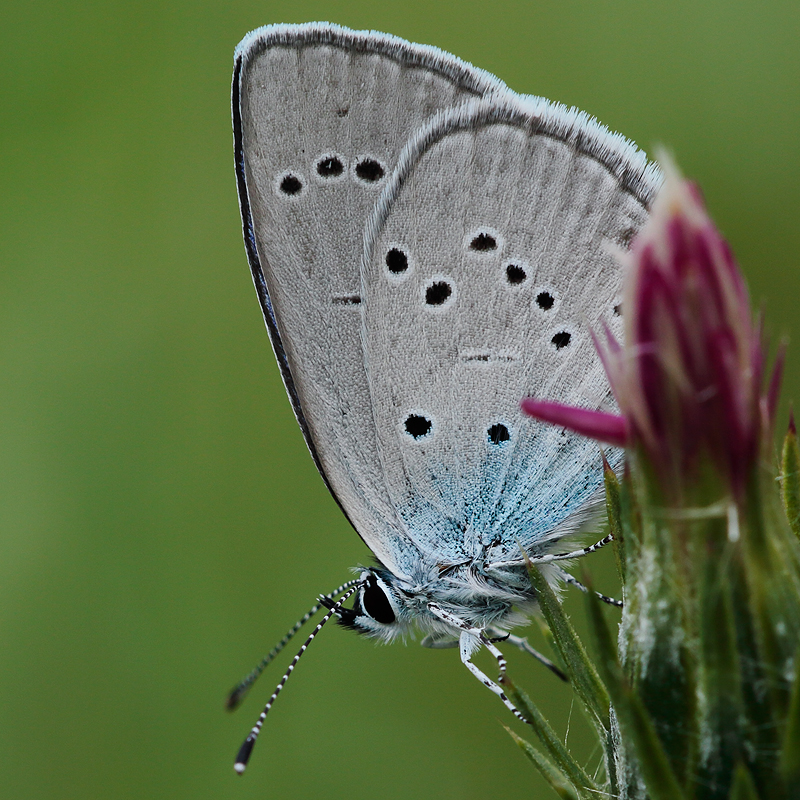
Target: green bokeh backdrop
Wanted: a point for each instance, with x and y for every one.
(161, 522)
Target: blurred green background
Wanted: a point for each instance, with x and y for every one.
(161, 522)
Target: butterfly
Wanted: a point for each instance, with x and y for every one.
(428, 248)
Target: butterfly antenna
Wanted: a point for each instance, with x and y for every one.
(239, 692)
(243, 756)
(567, 578)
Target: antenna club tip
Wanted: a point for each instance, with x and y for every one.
(243, 756)
(233, 700)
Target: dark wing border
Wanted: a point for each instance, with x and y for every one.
(314, 33)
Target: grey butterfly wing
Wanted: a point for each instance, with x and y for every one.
(320, 116)
(487, 263)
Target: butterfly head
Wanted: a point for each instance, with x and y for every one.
(380, 609)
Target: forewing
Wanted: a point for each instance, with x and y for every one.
(505, 215)
(320, 116)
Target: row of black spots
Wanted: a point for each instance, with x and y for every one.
(330, 166)
(417, 426)
(516, 275)
(396, 261)
(437, 292)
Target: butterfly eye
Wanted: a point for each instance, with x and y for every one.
(375, 602)
(618, 310)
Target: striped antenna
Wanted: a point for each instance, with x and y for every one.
(239, 692)
(243, 756)
(567, 578)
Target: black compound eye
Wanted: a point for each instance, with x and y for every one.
(498, 433)
(417, 426)
(369, 170)
(291, 184)
(375, 602)
(329, 167)
(618, 310)
(396, 261)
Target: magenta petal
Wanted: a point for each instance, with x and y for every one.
(600, 425)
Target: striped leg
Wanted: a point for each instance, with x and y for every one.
(584, 551)
(467, 646)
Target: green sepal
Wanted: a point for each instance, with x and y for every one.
(635, 723)
(561, 786)
(790, 477)
(559, 754)
(614, 513)
(719, 668)
(577, 664)
(790, 751)
(743, 787)
(547, 634)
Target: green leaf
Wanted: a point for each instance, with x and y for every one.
(743, 787)
(577, 664)
(719, 670)
(635, 723)
(547, 634)
(790, 477)
(562, 787)
(564, 762)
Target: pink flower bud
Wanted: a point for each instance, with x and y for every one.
(690, 376)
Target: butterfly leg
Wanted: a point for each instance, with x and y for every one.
(469, 640)
(584, 551)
